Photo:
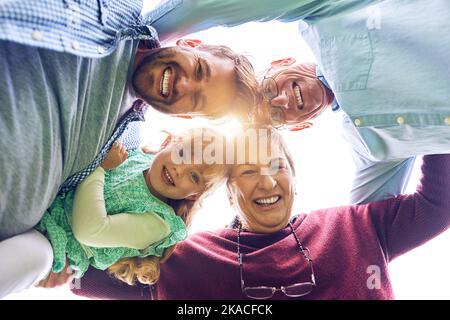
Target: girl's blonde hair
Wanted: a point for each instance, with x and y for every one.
(147, 270)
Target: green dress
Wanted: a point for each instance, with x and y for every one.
(125, 190)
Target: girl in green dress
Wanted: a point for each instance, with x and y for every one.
(134, 205)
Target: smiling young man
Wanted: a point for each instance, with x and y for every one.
(195, 79)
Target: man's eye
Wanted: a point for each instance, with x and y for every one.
(248, 172)
(199, 71)
(195, 178)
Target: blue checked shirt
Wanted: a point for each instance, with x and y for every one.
(85, 28)
(89, 29)
(130, 140)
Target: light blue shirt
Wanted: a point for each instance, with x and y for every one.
(189, 16)
(387, 63)
(388, 67)
(373, 180)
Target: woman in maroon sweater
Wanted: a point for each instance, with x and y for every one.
(336, 253)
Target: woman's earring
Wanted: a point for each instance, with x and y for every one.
(231, 201)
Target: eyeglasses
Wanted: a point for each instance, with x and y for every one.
(263, 292)
(270, 91)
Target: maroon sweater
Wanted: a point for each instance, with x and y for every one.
(348, 246)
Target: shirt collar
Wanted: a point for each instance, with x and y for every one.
(334, 105)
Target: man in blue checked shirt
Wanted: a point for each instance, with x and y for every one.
(74, 74)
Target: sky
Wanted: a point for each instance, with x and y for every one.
(323, 165)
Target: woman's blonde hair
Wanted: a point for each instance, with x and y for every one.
(272, 135)
(147, 270)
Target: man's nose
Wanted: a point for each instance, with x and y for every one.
(187, 86)
(281, 100)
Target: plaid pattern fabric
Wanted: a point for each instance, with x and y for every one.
(134, 114)
(131, 137)
(84, 28)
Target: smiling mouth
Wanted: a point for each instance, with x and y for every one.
(298, 95)
(167, 178)
(267, 203)
(164, 83)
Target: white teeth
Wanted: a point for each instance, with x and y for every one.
(266, 201)
(298, 96)
(164, 84)
(166, 173)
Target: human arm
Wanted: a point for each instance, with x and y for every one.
(54, 24)
(379, 180)
(197, 15)
(115, 157)
(408, 221)
(373, 180)
(94, 227)
(54, 280)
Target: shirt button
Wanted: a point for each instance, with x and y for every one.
(37, 35)
(400, 120)
(447, 120)
(100, 50)
(75, 45)
(358, 122)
